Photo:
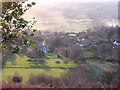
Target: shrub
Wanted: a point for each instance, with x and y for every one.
(106, 79)
(44, 79)
(14, 86)
(78, 78)
(17, 79)
(116, 80)
(58, 62)
(66, 54)
(58, 56)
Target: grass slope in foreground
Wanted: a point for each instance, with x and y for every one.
(19, 64)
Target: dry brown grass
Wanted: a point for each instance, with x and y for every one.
(16, 85)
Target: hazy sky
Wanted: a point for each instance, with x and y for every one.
(46, 2)
(52, 1)
(44, 15)
(76, 0)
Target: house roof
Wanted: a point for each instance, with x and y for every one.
(41, 47)
(74, 35)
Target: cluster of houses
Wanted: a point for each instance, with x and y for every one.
(91, 40)
(79, 41)
(83, 41)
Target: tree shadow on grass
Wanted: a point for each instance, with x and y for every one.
(62, 58)
(41, 66)
(50, 54)
(10, 59)
(46, 69)
(47, 58)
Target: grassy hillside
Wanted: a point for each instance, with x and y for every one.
(98, 68)
(19, 64)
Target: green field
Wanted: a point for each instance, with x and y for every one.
(19, 64)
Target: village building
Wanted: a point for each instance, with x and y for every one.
(44, 48)
(33, 51)
(117, 43)
(72, 35)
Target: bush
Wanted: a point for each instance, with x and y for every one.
(78, 78)
(44, 79)
(17, 79)
(106, 79)
(58, 56)
(58, 62)
(116, 80)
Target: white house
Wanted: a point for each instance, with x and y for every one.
(73, 35)
(81, 45)
(117, 43)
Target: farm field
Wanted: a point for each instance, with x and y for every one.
(18, 64)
